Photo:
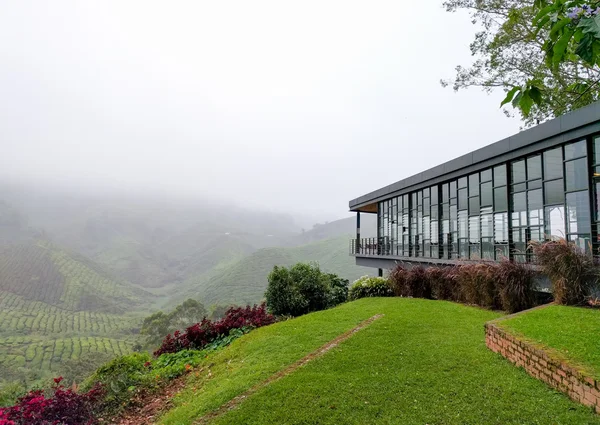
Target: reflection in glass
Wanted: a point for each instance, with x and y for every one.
(518, 172)
(578, 212)
(501, 227)
(554, 192)
(576, 174)
(500, 199)
(555, 222)
(500, 175)
(553, 165)
(487, 195)
(575, 150)
(534, 167)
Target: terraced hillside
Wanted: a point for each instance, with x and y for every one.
(40, 271)
(56, 306)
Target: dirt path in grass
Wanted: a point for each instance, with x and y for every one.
(233, 403)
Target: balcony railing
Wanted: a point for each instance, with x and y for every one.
(371, 246)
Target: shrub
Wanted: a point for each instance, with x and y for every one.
(572, 272)
(516, 286)
(303, 288)
(368, 286)
(200, 335)
(478, 284)
(120, 377)
(338, 290)
(413, 282)
(64, 407)
(443, 283)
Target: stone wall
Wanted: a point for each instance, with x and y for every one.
(539, 364)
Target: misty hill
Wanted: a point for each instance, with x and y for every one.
(41, 271)
(245, 281)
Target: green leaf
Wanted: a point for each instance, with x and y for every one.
(545, 11)
(585, 49)
(536, 94)
(559, 26)
(561, 47)
(517, 100)
(510, 95)
(525, 103)
(590, 26)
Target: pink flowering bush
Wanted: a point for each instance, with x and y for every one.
(63, 407)
(201, 334)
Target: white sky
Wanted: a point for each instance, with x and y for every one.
(291, 106)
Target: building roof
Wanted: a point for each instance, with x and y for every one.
(568, 127)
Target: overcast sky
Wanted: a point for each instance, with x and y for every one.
(291, 106)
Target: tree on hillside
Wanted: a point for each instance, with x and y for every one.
(158, 325)
(521, 50)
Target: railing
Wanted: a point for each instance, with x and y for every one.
(371, 246)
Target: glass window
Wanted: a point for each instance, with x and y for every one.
(462, 199)
(474, 229)
(445, 192)
(535, 207)
(597, 150)
(486, 175)
(487, 226)
(576, 174)
(487, 249)
(462, 224)
(536, 184)
(575, 150)
(501, 228)
(462, 182)
(519, 214)
(474, 205)
(487, 195)
(453, 189)
(518, 172)
(500, 175)
(434, 195)
(582, 241)
(500, 199)
(578, 212)
(597, 187)
(534, 167)
(474, 185)
(555, 221)
(553, 165)
(519, 187)
(554, 192)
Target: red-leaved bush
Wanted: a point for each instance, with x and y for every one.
(201, 334)
(64, 407)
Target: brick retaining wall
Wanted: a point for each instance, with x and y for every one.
(578, 386)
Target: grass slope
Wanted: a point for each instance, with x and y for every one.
(245, 281)
(572, 333)
(424, 362)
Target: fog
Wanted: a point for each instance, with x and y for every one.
(295, 107)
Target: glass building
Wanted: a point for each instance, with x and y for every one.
(539, 184)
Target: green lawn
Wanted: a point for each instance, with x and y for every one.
(424, 362)
(572, 333)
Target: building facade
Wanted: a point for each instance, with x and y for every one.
(539, 184)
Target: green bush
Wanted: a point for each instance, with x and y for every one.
(572, 272)
(303, 288)
(368, 286)
(10, 392)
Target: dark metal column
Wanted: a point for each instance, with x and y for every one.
(358, 232)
